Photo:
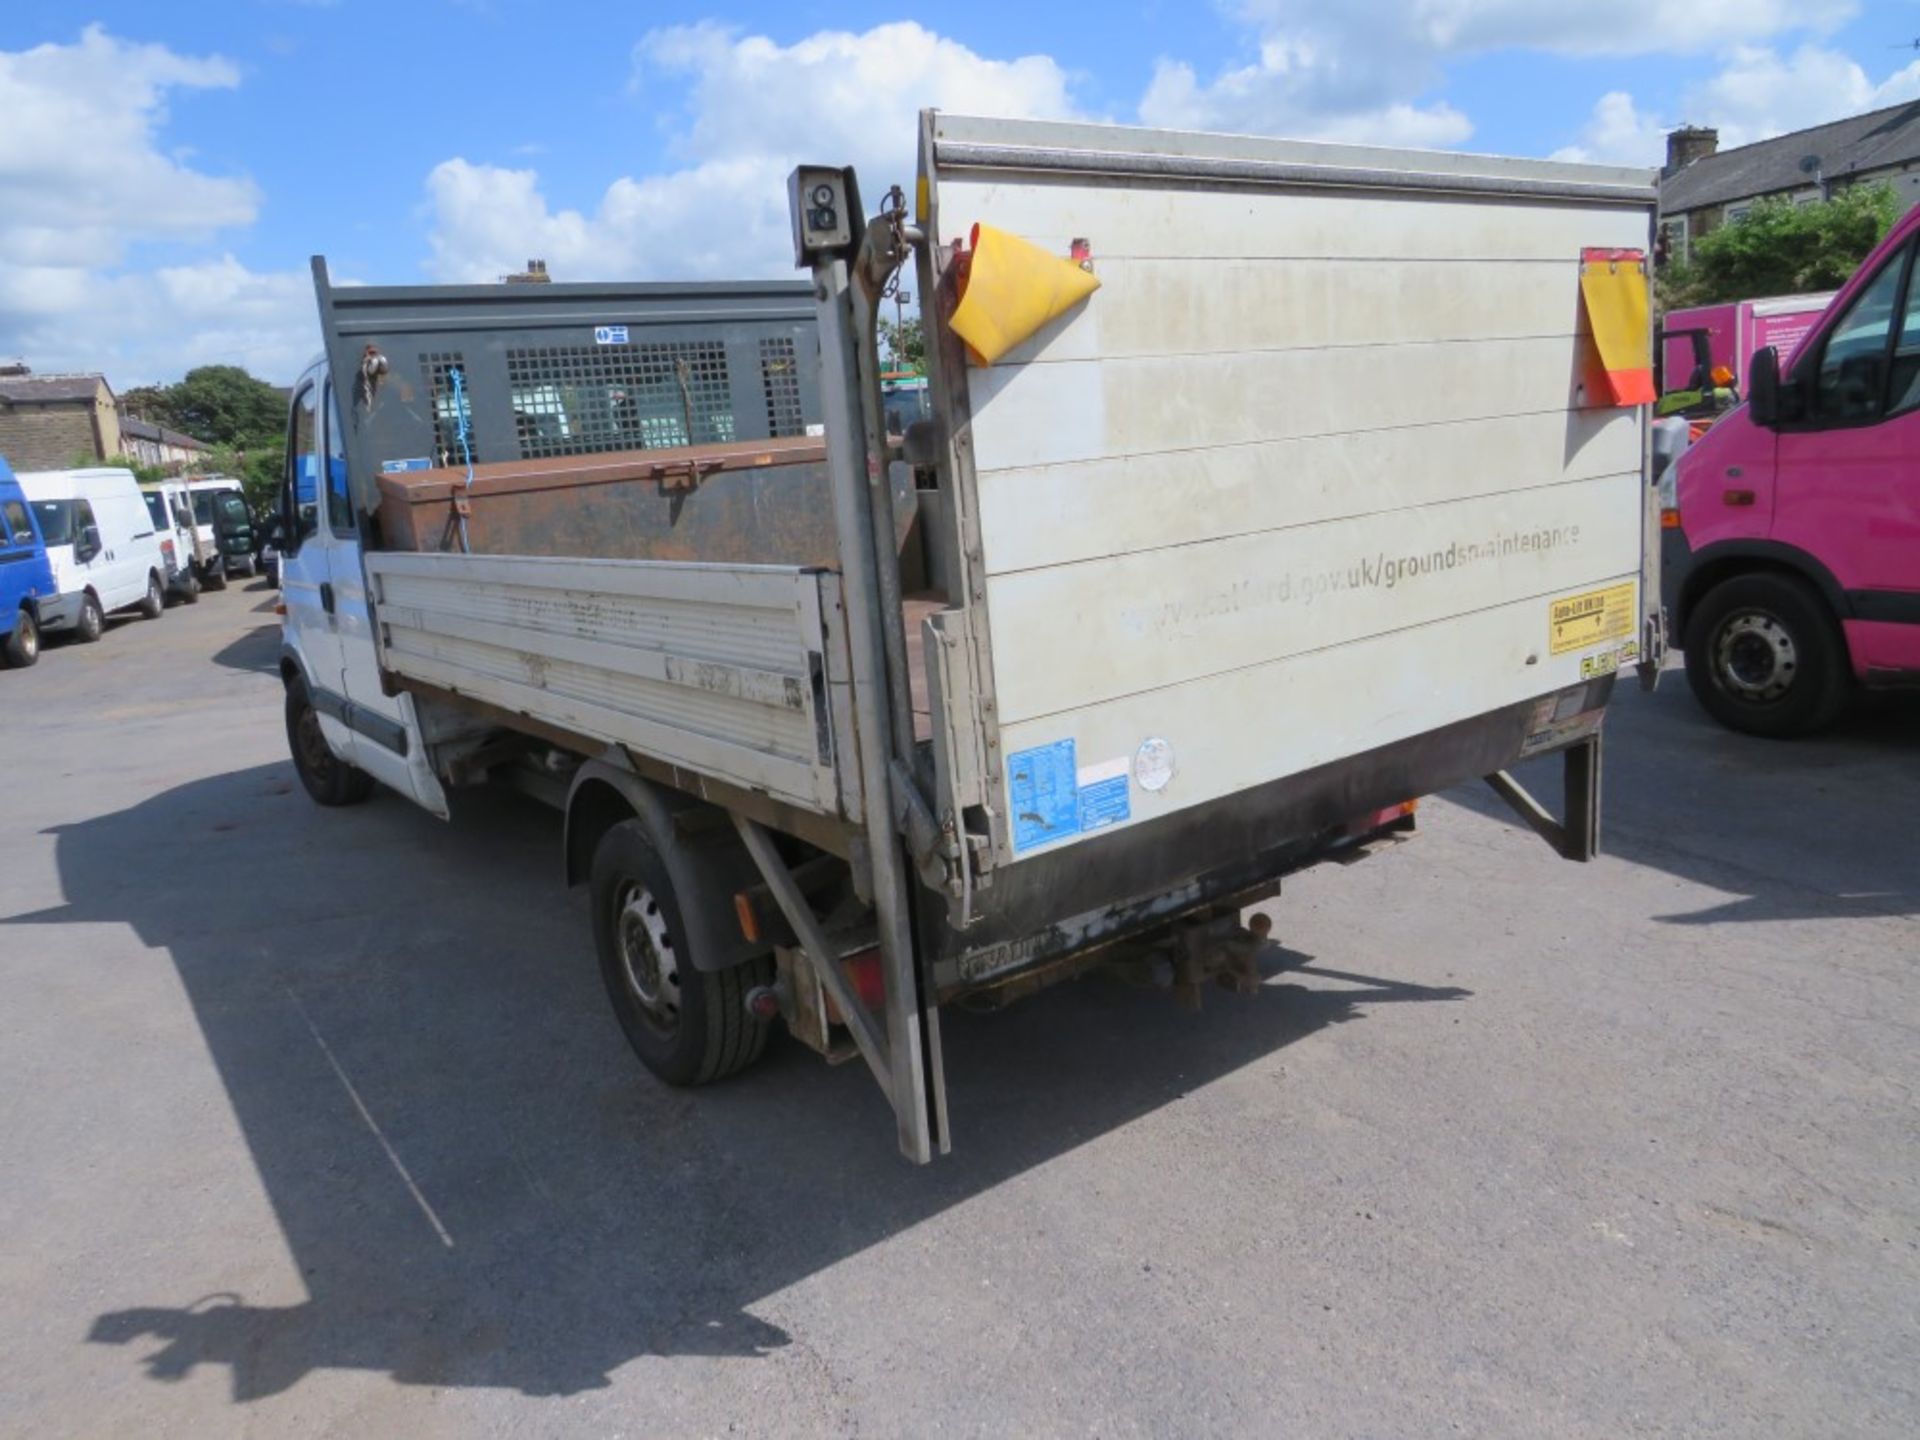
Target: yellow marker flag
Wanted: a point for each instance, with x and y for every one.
(1012, 288)
(1613, 283)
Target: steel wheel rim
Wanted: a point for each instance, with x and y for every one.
(29, 637)
(154, 597)
(1754, 657)
(648, 962)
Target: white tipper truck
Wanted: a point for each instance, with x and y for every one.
(1269, 487)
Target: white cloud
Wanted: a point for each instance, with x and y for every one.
(1619, 133)
(1364, 69)
(723, 212)
(1288, 93)
(1756, 94)
(84, 177)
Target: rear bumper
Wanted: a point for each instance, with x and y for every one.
(1142, 876)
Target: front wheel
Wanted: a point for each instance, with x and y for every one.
(688, 1026)
(154, 603)
(1765, 657)
(91, 623)
(22, 647)
(216, 578)
(328, 779)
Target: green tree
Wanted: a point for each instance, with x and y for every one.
(1780, 248)
(905, 344)
(224, 405)
(149, 402)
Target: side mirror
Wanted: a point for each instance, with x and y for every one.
(88, 545)
(1763, 387)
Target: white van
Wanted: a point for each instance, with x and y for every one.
(220, 564)
(105, 551)
(186, 558)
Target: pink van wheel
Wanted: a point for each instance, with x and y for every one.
(1765, 657)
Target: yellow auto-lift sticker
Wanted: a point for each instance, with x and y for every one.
(1580, 622)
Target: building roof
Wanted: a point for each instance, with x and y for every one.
(133, 427)
(36, 389)
(1862, 142)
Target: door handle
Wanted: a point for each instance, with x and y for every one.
(326, 596)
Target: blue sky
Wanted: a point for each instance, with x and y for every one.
(166, 170)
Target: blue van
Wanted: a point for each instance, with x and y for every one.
(26, 576)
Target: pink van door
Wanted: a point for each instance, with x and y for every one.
(1847, 477)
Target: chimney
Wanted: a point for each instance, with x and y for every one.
(534, 274)
(1688, 144)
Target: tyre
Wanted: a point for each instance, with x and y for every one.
(328, 779)
(1765, 657)
(22, 646)
(91, 622)
(688, 1026)
(216, 578)
(154, 603)
(190, 592)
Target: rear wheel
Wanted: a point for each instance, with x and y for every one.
(190, 592)
(328, 779)
(154, 603)
(91, 622)
(22, 647)
(689, 1026)
(216, 577)
(1765, 657)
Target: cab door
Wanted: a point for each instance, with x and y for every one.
(385, 732)
(1848, 470)
(306, 570)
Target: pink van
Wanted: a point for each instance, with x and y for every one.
(1792, 558)
(1734, 332)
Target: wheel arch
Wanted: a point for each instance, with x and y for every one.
(703, 856)
(1717, 563)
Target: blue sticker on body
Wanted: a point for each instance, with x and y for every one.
(1044, 794)
(400, 467)
(609, 334)
(1104, 802)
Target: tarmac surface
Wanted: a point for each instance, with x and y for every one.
(316, 1123)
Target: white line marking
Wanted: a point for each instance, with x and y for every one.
(367, 1115)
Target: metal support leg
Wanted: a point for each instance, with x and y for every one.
(826, 964)
(1581, 780)
(1578, 836)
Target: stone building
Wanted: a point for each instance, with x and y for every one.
(49, 422)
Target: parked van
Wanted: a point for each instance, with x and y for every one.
(172, 510)
(1792, 555)
(26, 575)
(212, 514)
(105, 552)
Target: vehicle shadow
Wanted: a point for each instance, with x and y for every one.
(257, 649)
(478, 1184)
(1816, 828)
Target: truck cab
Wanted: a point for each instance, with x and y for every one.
(345, 730)
(1792, 560)
(26, 575)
